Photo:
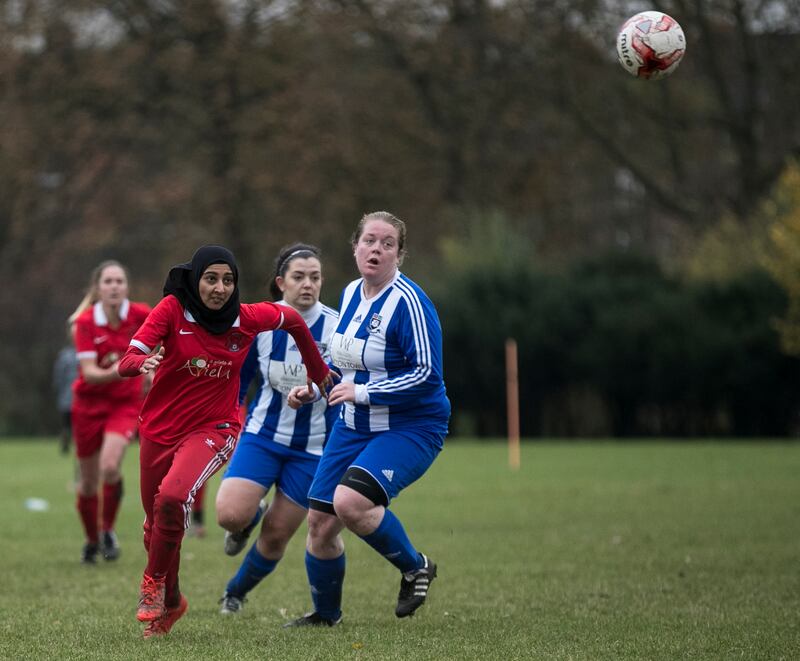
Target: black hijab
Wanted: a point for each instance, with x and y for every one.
(183, 283)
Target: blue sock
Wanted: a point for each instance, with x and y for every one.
(254, 567)
(254, 521)
(326, 578)
(390, 540)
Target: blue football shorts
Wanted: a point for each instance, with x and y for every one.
(266, 462)
(395, 458)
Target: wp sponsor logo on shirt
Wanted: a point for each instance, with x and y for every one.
(210, 367)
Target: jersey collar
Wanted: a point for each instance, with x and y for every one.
(385, 287)
(188, 316)
(100, 317)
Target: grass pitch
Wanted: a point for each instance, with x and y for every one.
(650, 550)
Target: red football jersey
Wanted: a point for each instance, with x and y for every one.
(95, 338)
(197, 383)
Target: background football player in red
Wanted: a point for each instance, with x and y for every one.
(105, 407)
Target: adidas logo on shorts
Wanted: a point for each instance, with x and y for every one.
(389, 473)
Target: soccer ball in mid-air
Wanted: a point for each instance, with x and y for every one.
(650, 45)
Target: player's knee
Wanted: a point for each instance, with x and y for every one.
(168, 510)
(277, 530)
(316, 524)
(231, 517)
(87, 486)
(321, 526)
(272, 542)
(363, 493)
(109, 473)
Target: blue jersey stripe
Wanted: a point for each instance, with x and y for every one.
(278, 365)
(421, 341)
(399, 339)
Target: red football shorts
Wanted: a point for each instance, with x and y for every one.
(89, 425)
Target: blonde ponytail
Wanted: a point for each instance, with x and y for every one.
(88, 300)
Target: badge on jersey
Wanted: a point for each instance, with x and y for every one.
(375, 323)
(234, 341)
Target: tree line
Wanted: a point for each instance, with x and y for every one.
(141, 129)
(614, 345)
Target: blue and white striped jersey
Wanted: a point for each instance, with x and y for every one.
(390, 346)
(275, 359)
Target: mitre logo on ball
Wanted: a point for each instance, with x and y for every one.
(650, 45)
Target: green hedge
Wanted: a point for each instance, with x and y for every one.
(616, 346)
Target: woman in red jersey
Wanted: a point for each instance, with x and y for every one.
(198, 337)
(105, 407)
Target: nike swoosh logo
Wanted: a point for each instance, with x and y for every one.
(183, 332)
(100, 339)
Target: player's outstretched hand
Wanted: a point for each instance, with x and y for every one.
(152, 361)
(327, 383)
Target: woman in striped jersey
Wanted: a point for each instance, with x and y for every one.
(388, 349)
(279, 446)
